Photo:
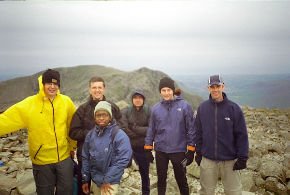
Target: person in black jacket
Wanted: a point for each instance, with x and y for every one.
(83, 119)
(135, 121)
(222, 141)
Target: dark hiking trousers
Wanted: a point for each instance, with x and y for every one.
(140, 158)
(162, 160)
(80, 183)
(56, 178)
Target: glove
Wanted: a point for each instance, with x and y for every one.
(149, 156)
(189, 155)
(198, 158)
(240, 164)
(148, 153)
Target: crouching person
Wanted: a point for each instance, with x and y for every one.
(106, 153)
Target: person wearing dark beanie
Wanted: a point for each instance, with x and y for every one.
(51, 76)
(166, 82)
(46, 116)
(171, 130)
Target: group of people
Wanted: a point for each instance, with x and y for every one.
(107, 139)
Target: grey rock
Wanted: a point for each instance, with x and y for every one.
(5, 154)
(253, 163)
(7, 184)
(273, 185)
(259, 181)
(25, 183)
(271, 169)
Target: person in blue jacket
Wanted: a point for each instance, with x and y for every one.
(106, 153)
(221, 142)
(171, 130)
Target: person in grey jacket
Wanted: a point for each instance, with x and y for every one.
(106, 153)
(171, 130)
(221, 142)
(135, 120)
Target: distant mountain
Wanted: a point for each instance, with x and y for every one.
(259, 91)
(74, 83)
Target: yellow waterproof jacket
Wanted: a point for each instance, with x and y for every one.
(47, 123)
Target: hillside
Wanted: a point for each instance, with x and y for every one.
(259, 91)
(74, 83)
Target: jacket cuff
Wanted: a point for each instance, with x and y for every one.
(191, 148)
(85, 179)
(148, 147)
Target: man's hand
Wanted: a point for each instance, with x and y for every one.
(106, 188)
(240, 164)
(72, 154)
(85, 188)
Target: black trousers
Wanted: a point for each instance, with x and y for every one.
(80, 190)
(162, 160)
(140, 158)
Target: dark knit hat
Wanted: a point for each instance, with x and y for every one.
(51, 76)
(166, 82)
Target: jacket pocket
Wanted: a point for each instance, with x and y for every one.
(99, 160)
(37, 151)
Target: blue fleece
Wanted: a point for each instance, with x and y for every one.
(221, 130)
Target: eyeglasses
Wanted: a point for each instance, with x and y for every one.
(102, 115)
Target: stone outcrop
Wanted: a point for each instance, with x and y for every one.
(267, 172)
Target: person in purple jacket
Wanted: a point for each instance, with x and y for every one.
(221, 141)
(172, 131)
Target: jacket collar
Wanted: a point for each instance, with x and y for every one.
(225, 99)
(110, 126)
(95, 102)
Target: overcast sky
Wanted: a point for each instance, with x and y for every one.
(175, 37)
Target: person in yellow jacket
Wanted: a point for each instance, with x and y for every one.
(47, 116)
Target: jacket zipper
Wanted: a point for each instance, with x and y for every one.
(54, 130)
(216, 130)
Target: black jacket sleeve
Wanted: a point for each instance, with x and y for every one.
(77, 131)
(116, 112)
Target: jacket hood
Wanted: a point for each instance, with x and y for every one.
(138, 92)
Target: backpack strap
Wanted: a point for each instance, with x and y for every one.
(129, 110)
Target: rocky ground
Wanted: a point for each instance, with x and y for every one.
(268, 169)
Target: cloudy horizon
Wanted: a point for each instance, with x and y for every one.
(200, 37)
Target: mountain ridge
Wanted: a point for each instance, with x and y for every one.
(74, 83)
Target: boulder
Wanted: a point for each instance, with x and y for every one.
(25, 183)
(272, 184)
